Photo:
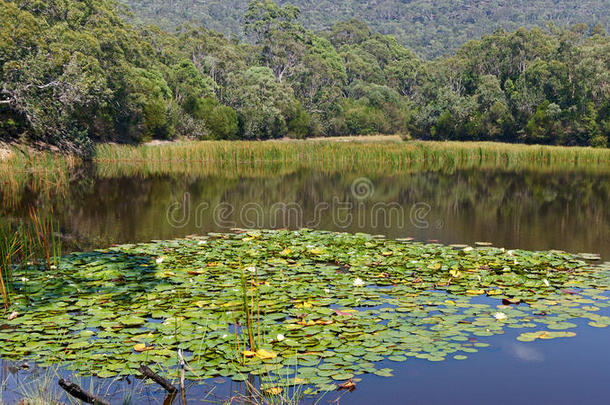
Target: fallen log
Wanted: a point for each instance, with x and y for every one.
(148, 373)
(78, 393)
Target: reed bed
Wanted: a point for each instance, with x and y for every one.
(209, 157)
(10, 247)
(50, 175)
(30, 242)
(39, 172)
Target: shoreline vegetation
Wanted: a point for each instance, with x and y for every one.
(355, 149)
(78, 74)
(387, 150)
(50, 173)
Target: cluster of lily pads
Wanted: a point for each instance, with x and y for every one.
(308, 307)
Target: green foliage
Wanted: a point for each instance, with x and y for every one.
(75, 73)
(430, 27)
(299, 123)
(525, 86)
(261, 101)
(148, 98)
(220, 120)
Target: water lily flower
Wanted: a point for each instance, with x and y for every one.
(159, 260)
(358, 282)
(546, 282)
(251, 269)
(280, 337)
(500, 316)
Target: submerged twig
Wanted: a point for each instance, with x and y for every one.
(78, 393)
(148, 373)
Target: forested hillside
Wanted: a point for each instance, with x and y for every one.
(74, 72)
(430, 28)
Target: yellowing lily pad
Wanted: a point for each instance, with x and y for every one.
(265, 354)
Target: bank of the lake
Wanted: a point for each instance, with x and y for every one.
(388, 149)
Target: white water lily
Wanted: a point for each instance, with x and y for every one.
(251, 269)
(280, 337)
(500, 316)
(327, 290)
(159, 260)
(546, 282)
(358, 282)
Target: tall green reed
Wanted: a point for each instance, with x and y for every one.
(45, 244)
(251, 308)
(51, 175)
(209, 157)
(10, 246)
(32, 241)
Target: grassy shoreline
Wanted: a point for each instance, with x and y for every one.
(288, 149)
(47, 171)
(390, 153)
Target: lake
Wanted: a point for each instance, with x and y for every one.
(535, 208)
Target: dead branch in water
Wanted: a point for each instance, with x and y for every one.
(78, 393)
(148, 373)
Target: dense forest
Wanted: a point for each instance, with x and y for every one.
(77, 72)
(430, 28)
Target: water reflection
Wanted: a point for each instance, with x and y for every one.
(515, 209)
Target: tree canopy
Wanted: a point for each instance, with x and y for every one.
(430, 27)
(73, 73)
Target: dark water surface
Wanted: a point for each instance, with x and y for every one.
(529, 209)
(536, 210)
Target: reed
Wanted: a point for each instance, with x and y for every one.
(50, 175)
(44, 173)
(213, 156)
(30, 242)
(45, 244)
(10, 246)
(248, 308)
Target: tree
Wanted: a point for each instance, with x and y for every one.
(275, 30)
(220, 120)
(262, 103)
(148, 101)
